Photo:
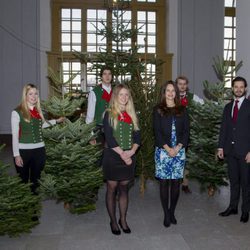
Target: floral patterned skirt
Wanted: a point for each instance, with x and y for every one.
(167, 167)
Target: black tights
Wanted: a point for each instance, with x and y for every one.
(112, 188)
(171, 187)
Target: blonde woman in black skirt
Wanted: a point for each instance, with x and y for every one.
(122, 140)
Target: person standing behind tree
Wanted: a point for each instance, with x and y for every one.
(234, 144)
(28, 146)
(98, 100)
(186, 98)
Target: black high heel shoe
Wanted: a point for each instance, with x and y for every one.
(125, 230)
(115, 231)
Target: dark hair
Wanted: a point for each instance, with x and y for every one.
(105, 68)
(239, 79)
(162, 107)
(182, 78)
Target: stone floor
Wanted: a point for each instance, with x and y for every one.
(199, 226)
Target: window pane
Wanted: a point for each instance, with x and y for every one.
(228, 21)
(141, 15)
(65, 48)
(76, 26)
(151, 50)
(94, 26)
(65, 38)
(151, 28)
(151, 16)
(90, 27)
(76, 38)
(91, 38)
(65, 13)
(76, 13)
(91, 14)
(65, 26)
(230, 3)
(77, 48)
(228, 32)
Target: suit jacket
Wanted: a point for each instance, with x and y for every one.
(163, 128)
(238, 132)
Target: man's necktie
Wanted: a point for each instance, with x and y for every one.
(235, 111)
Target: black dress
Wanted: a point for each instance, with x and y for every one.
(114, 168)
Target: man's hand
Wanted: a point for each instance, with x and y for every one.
(247, 157)
(220, 153)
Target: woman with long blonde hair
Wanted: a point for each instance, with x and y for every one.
(122, 137)
(28, 146)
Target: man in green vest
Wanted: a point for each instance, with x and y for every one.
(99, 97)
(186, 99)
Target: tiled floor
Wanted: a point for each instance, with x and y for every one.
(199, 226)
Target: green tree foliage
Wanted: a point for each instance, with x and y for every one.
(18, 206)
(71, 172)
(205, 121)
(133, 69)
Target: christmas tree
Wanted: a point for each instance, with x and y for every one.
(18, 206)
(205, 122)
(135, 70)
(71, 173)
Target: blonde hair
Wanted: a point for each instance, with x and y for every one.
(23, 106)
(115, 110)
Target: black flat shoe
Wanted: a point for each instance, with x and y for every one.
(125, 230)
(115, 231)
(244, 217)
(228, 212)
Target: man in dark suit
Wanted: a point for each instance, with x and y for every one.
(234, 144)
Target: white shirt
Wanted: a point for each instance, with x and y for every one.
(15, 120)
(241, 99)
(92, 102)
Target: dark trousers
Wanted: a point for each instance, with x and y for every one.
(33, 164)
(239, 177)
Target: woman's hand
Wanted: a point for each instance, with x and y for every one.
(177, 148)
(60, 119)
(19, 161)
(129, 153)
(172, 152)
(126, 158)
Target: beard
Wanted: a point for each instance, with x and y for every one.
(239, 95)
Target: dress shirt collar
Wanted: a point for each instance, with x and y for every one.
(106, 87)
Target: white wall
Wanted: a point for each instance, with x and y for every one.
(19, 53)
(243, 38)
(45, 45)
(199, 38)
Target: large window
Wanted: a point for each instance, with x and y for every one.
(230, 39)
(76, 27)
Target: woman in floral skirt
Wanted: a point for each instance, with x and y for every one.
(171, 128)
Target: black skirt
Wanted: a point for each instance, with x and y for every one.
(114, 168)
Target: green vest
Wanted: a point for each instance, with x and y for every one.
(124, 135)
(30, 132)
(101, 105)
(190, 97)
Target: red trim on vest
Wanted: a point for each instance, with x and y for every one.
(105, 95)
(125, 117)
(34, 114)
